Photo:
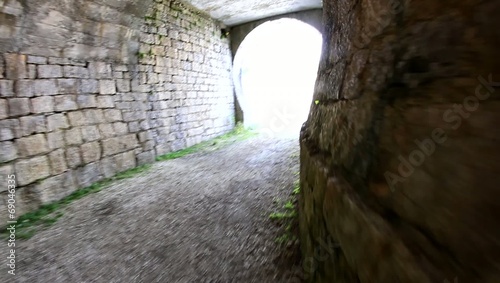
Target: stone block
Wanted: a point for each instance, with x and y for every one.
(88, 175)
(42, 104)
(148, 145)
(32, 145)
(73, 157)
(49, 71)
(147, 157)
(100, 70)
(109, 167)
(107, 87)
(15, 66)
(58, 162)
(112, 146)
(90, 133)
(131, 116)
(55, 188)
(125, 161)
(57, 122)
(5, 171)
(67, 86)
(113, 115)
(6, 88)
(120, 68)
(105, 101)
(145, 136)
(19, 107)
(31, 72)
(134, 127)
(94, 116)
(145, 125)
(77, 118)
(63, 103)
(119, 144)
(106, 130)
(75, 72)
(120, 128)
(36, 60)
(117, 75)
(64, 61)
(6, 132)
(90, 152)
(45, 87)
(3, 109)
(86, 101)
(55, 140)
(31, 170)
(73, 136)
(123, 85)
(89, 86)
(32, 124)
(8, 151)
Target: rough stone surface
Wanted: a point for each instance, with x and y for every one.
(42, 104)
(56, 122)
(399, 156)
(243, 11)
(4, 112)
(55, 188)
(127, 71)
(31, 170)
(32, 124)
(57, 162)
(8, 151)
(91, 152)
(32, 145)
(19, 107)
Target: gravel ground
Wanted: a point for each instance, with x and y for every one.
(201, 218)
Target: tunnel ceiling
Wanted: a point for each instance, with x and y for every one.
(235, 12)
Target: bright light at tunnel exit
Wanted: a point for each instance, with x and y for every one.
(275, 70)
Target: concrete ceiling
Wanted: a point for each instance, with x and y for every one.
(235, 12)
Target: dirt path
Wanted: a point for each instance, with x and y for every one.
(201, 218)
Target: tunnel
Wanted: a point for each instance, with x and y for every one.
(376, 132)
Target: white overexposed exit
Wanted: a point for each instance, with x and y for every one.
(275, 71)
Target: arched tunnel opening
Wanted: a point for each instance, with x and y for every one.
(120, 160)
(274, 73)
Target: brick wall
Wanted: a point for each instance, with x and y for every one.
(92, 88)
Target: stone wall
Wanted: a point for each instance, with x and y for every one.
(399, 156)
(92, 88)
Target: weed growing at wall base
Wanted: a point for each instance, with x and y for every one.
(238, 134)
(428, 146)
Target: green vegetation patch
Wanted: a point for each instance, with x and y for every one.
(238, 134)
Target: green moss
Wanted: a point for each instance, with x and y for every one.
(141, 55)
(29, 223)
(238, 134)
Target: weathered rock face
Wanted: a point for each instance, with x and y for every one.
(399, 156)
(92, 88)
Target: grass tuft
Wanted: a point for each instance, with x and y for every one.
(238, 134)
